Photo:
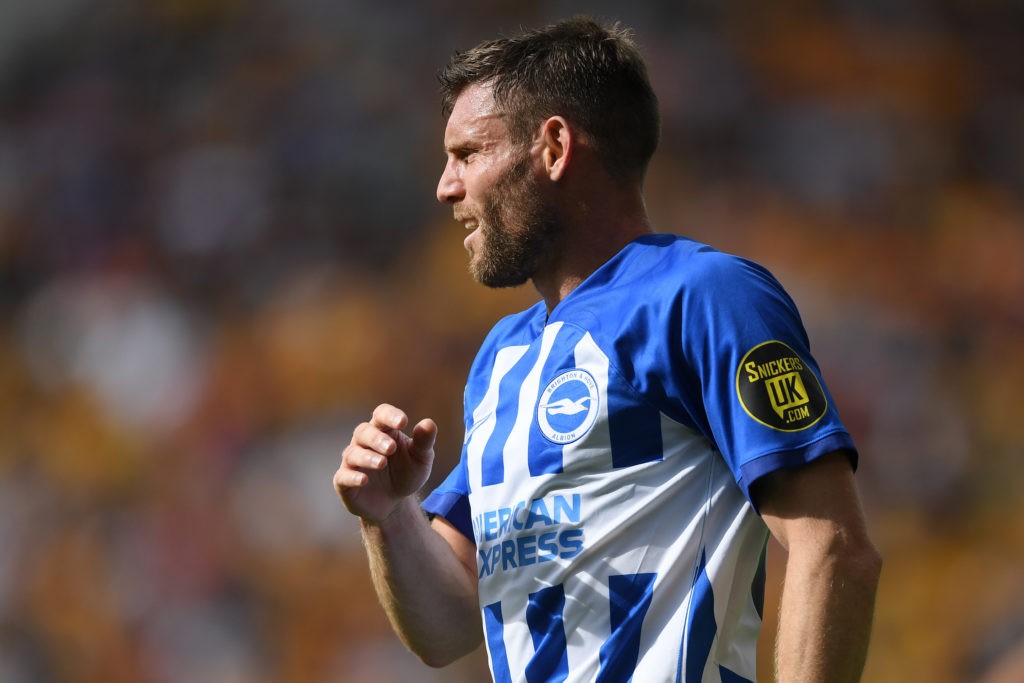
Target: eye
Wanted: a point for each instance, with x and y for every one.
(463, 154)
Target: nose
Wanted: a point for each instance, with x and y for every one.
(449, 186)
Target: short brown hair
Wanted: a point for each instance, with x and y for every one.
(592, 75)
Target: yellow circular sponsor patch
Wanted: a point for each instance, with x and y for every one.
(777, 388)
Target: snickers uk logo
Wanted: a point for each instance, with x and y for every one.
(777, 389)
(568, 406)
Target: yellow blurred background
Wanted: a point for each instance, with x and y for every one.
(219, 249)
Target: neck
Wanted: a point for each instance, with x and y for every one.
(598, 230)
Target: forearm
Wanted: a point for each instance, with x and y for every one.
(428, 595)
(825, 615)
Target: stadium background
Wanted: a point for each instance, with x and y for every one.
(219, 248)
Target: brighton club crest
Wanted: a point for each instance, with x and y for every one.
(568, 406)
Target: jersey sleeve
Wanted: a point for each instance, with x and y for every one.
(764, 401)
(451, 500)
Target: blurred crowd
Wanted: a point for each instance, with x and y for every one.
(219, 249)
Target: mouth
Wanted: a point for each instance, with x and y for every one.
(471, 225)
(468, 222)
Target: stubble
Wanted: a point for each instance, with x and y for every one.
(518, 230)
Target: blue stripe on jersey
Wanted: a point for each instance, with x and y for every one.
(495, 627)
(630, 597)
(729, 677)
(493, 458)
(633, 426)
(544, 618)
(700, 623)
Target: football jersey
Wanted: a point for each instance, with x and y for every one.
(606, 469)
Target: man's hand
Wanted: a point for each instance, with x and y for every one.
(383, 465)
(424, 572)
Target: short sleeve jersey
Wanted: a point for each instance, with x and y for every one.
(606, 469)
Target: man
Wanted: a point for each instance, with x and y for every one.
(632, 439)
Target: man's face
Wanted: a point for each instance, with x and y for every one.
(492, 187)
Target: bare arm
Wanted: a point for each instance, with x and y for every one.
(427, 590)
(424, 572)
(832, 571)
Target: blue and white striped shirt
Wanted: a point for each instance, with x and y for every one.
(609, 453)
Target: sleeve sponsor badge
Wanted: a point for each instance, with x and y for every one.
(778, 389)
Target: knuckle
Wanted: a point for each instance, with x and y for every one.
(360, 434)
(387, 415)
(346, 453)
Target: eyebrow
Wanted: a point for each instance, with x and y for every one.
(478, 135)
(460, 147)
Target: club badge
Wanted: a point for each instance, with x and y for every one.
(568, 406)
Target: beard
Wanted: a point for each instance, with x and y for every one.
(518, 230)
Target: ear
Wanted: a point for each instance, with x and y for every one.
(557, 141)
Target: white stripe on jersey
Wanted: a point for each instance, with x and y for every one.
(595, 451)
(484, 415)
(517, 446)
